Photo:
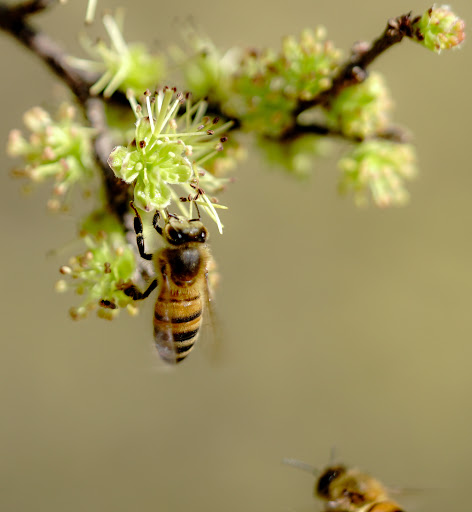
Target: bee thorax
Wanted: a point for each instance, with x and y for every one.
(185, 264)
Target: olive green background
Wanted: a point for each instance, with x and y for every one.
(341, 327)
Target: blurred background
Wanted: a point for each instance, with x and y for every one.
(341, 327)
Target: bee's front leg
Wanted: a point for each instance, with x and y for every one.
(138, 229)
(131, 290)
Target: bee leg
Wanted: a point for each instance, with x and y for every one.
(131, 290)
(138, 229)
(155, 221)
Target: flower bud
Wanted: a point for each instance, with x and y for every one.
(439, 29)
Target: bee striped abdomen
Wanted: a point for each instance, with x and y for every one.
(177, 320)
(385, 506)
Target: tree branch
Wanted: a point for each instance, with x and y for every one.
(31, 7)
(393, 134)
(354, 70)
(118, 192)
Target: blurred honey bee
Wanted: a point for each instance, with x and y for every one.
(346, 489)
(182, 272)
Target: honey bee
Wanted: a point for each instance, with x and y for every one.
(346, 489)
(182, 272)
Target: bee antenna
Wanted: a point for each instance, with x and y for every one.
(171, 215)
(301, 465)
(198, 211)
(332, 455)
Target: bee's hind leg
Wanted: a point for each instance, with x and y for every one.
(131, 290)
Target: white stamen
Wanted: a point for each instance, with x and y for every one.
(115, 35)
(149, 108)
(90, 13)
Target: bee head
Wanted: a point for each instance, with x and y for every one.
(181, 231)
(323, 483)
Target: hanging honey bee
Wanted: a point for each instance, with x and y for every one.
(182, 281)
(346, 489)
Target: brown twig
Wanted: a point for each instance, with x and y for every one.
(393, 133)
(31, 7)
(118, 192)
(354, 70)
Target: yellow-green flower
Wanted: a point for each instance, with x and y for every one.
(122, 66)
(439, 29)
(379, 167)
(361, 110)
(59, 148)
(169, 149)
(96, 274)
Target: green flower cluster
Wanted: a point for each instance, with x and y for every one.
(208, 72)
(268, 85)
(378, 166)
(108, 262)
(122, 66)
(170, 150)
(59, 149)
(439, 29)
(297, 156)
(361, 110)
(307, 66)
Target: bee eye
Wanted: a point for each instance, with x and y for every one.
(173, 235)
(203, 236)
(324, 482)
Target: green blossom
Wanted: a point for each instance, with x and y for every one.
(60, 149)
(363, 109)
(207, 72)
(122, 66)
(96, 274)
(380, 167)
(268, 85)
(298, 156)
(307, 66)
(259, 100)
(439, 29)
(170, 150)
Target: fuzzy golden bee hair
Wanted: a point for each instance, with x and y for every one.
(346, 489)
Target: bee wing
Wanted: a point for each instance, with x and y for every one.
(407, 491)
(211, 336)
